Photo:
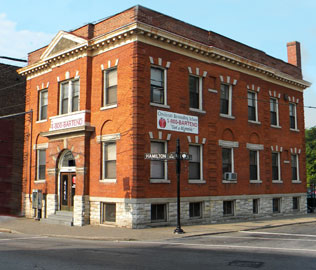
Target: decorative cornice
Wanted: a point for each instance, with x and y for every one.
(158, 37)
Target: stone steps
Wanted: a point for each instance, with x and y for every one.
(61, 218)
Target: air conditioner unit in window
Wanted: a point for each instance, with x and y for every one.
(230, 176)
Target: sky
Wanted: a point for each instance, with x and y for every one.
(27, 25)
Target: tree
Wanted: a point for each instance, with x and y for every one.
(310, 140)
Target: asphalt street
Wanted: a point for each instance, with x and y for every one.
(286, 247)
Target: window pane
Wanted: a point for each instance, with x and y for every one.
(157, 168)
(111, 87)
(226, 160)
(110, 170)
(157, 85)
(253, 165)
(294, 167)
(224, 99)
(194, 163)
(158, 212)
(111, 77)
(111, 96)
(275, 166)
(110, 160)
(64, 98)
(195, 209)
(75, 96)
(110, 151)
(41, 164)
(194, 92)
(156, 77)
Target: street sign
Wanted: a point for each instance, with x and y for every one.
(167, 156)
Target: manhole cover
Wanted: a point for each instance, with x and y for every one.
(246, 264)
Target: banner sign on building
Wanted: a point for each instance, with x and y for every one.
(67, 121)
(177, 122)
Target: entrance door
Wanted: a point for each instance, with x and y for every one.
(67, 191)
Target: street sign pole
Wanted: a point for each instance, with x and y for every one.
(178, 230)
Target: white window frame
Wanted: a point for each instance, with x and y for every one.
(277, 112)
(165, 92)
(70, 96)
(201, 180)
(257, 148)
(165, 179)
(258, 166)
(40, 105)
(105, 105)
(230, 145)
(297, 169)
(256, 121)
(106, 139)
(230, 101)
(200, 107)
(104, 144)
(38, 165)
(295, 116)
(279, 180)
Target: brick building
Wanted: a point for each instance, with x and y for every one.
(12, 102)
(107, 93)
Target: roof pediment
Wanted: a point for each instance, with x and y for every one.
(61, 43)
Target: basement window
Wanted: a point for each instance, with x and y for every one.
(108, 212)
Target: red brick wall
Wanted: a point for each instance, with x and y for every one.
(134, 118)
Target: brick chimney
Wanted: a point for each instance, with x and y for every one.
(294, 53)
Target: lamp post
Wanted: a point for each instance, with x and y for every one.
(178, 230)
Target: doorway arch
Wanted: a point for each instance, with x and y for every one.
(67, 180)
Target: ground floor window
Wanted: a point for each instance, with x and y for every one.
(195, 210)
(158, 212)
(296, 203)
(228, 208)
(108, 212)
(276, 205)
(255, 206)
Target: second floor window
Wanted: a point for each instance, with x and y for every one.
(274, 118)
(225, 106)
(252, 106)
(157, 86)
(43, 102)
(110, 87)
(292, 108)
(195, 90)
(69, 96)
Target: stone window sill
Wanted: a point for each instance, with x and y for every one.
(295, 130)
(108, 181)
(197, 110)
(227, 116)
(229, 181)
(159, 181)
(41, 121)
(160, 105)
(108, 107)
(254, 122)
(255, 181)
(296, 181)
(277, 181)
(41, 181)
(198, 181)
(273, 126)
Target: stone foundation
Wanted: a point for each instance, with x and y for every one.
(136, 213)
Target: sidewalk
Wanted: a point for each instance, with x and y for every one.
(105, 233)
